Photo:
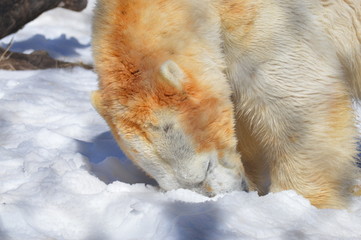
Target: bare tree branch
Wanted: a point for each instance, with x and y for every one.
(36, 60)
(14, 14)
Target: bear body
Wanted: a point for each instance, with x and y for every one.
(222, 95)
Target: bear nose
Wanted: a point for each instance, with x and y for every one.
(194, 171)
(191, 179)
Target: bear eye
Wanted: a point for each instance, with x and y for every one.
(168, 127)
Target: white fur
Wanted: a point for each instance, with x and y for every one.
(283, 82)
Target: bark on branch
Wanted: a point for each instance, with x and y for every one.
(14, 14)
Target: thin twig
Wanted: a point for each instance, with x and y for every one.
(7, 49)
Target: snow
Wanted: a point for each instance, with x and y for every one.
(62, 175)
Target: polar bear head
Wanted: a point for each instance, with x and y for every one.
(176, 128)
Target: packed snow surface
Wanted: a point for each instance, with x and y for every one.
(62, 175)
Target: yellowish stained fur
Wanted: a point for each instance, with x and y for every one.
(186, 86)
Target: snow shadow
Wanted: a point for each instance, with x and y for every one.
(59, 47)
(3, 234)
(109, 163)
(196, 221)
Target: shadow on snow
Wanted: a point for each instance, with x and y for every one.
(109, 163)
(59, 47)
(196, 221)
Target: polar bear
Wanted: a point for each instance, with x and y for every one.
(222, 95)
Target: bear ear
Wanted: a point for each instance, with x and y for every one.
(172, 73)
(96, 101)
